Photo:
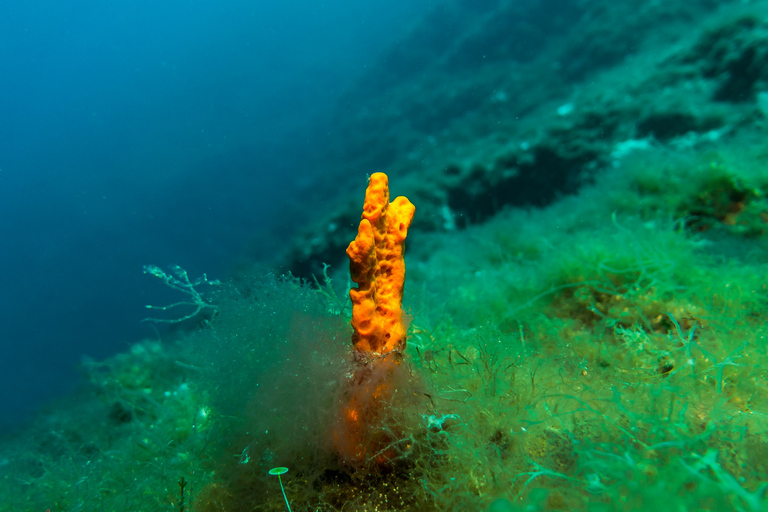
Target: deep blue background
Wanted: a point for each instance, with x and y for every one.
(150, 132)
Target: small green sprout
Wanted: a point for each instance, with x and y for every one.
(278, 472)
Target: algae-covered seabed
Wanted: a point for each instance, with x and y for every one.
(578, 356)
(604, 352)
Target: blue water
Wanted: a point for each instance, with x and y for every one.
(151, 132)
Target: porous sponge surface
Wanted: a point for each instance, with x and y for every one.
(376, 264)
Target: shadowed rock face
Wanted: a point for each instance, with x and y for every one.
(509, 104)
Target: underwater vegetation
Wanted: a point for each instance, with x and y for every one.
(600, 345)
(605, 353)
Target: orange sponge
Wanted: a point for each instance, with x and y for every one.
(376, 264)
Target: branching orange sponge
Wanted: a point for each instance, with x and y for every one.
(376, 264)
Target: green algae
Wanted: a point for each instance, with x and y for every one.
(578, 357)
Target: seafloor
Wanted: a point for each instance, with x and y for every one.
(587, 282)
